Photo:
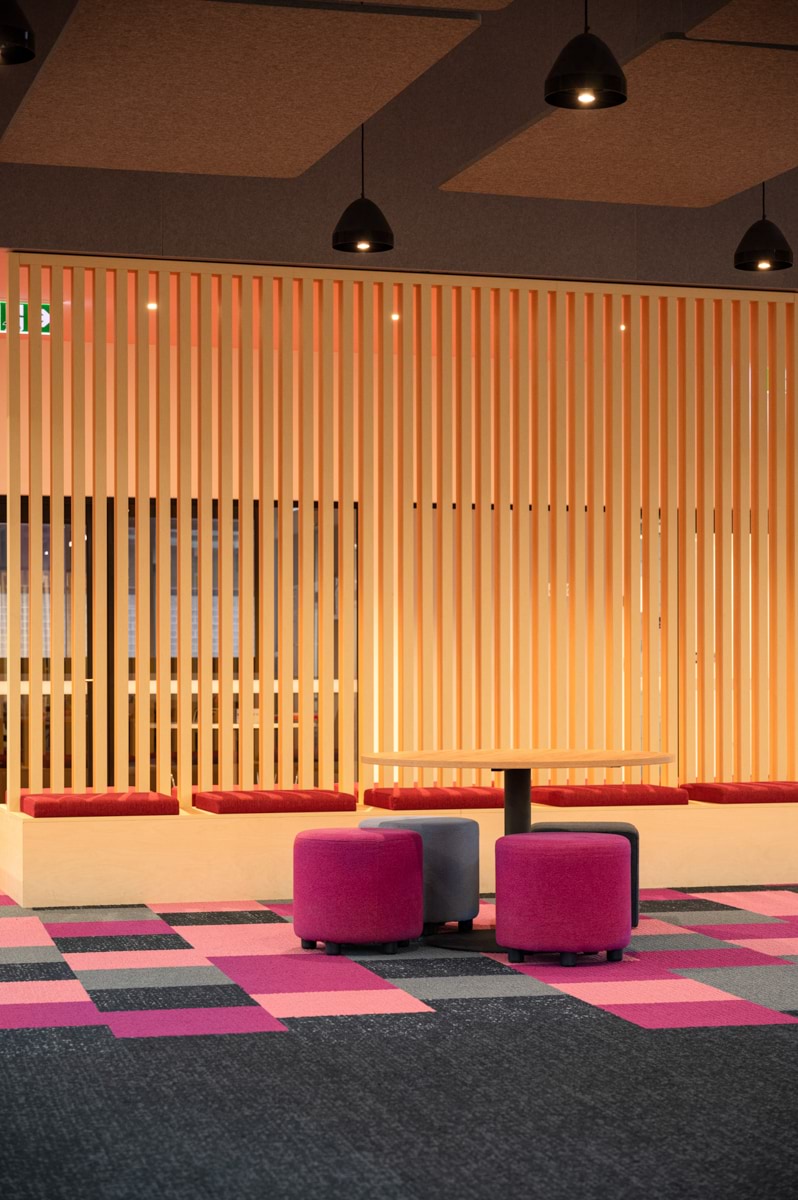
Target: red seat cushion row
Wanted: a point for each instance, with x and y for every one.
(608, 794)
(405, 798)
(98, 804)
(277, 800)
(785, 792)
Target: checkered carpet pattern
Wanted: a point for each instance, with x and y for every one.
(710, 957)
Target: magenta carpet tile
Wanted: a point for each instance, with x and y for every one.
(266, 962)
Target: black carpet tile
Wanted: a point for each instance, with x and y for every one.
(217, 995)
(148, 941)
(34, 972)
(547, 1098)
(50, 1044)
(686, 905)
(254, 916)
(432, 968)
(745, 887)
(87, 908)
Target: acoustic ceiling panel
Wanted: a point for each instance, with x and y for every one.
(216, 88)
(690, 135)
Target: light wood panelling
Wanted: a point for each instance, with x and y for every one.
(488, 512)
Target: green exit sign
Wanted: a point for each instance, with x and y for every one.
(23, 317)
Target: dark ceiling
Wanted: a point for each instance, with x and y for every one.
(433, 125)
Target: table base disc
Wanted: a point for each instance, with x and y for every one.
(478, 941)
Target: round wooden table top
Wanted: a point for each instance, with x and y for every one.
(508, 760)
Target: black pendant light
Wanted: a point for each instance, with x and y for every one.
(586, 75)
(17, 40)
(763, 247)
(362, 228)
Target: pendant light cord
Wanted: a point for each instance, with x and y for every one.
(587, 26)
(362, 162)
(763, 201)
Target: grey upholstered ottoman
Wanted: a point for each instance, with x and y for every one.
(620, 827)
(451, 865)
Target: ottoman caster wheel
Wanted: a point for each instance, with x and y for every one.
(465, 926)
(390, 947)
(403, 945)
(615, 956)
(307, 944)
(515, 956)
(567, 959)
(332, 947)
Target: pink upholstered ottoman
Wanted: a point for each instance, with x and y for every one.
(565, 892)
(358, 886)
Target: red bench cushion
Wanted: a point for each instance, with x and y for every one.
(744, 793)
(434, 797)
(275, 801)
(98, 804)
(606, 794)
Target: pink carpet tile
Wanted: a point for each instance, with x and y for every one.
(122, 974)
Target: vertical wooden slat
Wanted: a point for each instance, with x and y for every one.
(185, 672)
(246, 541)
(205, 679)
(14, 744)
(406, 517)
(77, 523)
(577, 550)
(100, 564)
(759, 543)
(632, 526)
(368, 736)
(306, 582)
(614, 342)
(651, 532)
(466, 675)
(792, 537)
(705, 544)
(741, 500)
(224, 447)
(387, 572)
(724, 674)
(596, 681)
(347, 536)
(486, 686)
(425, 544)
(541, 555)
(326, 535)
(446, 594)
(163, 541)
(777, 539)
(558, 544)
(266, 536)
(121, 537)
(35, 534)
(669, 464)
(285, 568)
(142, 568)
(522, 528)
(503, 521)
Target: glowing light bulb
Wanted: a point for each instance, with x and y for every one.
(764, 265)
(586, 97)
(622, 328)
(151, 305)
(364, 245)
(394, 316)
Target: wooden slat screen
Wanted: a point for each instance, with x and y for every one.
(282, 515)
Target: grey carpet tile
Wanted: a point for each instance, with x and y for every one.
(732, 916)
(10, 911)
(145, 999)
(741, 887)
(142, 941)
(255, 916)
(34, 972)
(687, 905)
(365, 954)
(773, 987)
(30, 954)
(471, 986)
(676, 941)
(793, 958)
(126, 912)
(397, 968)
(147, 977)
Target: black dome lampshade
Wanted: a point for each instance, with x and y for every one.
(362, 227)
(17, 40)
(763, 247)
(586, 75)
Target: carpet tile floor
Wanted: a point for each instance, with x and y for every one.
(704, 958)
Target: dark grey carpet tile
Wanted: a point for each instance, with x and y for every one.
(50, 1044)
(255, 916)
(155, 941)
(139, 999)
(34, 972)
(686, 905)
(742, 887)
(416, 968)
(87, 908)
